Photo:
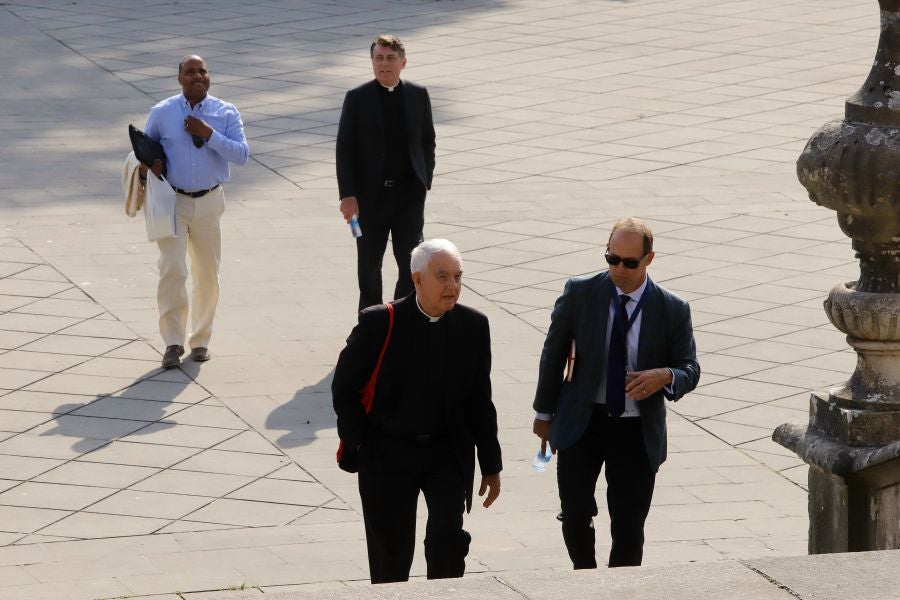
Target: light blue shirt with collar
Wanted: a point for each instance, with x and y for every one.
(631, 348)
(187, 167)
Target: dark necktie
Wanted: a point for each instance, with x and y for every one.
(617, 361)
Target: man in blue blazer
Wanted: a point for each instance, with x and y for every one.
(626, 344)
(385, 161)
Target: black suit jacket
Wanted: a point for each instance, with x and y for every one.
(581, 314)
(360, 148)
(470, 414)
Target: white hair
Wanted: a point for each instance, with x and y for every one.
(421, 254)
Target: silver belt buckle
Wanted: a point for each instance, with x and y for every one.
(388, 183)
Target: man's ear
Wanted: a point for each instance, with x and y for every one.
(417, 278)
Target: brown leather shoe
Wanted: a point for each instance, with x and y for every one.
(200, 354)
(172, 357)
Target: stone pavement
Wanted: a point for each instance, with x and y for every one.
(874, 576)
(553, 119)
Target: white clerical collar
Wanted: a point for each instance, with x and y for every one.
(390, 88)
(430, 318)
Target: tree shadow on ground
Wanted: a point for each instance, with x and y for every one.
(282, 76)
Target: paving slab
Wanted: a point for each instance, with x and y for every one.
(693, 581)
(541, 146)
(873, 575)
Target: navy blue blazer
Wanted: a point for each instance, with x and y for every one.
(360, 147)
(581, 313)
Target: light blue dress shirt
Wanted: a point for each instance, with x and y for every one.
(193, 169)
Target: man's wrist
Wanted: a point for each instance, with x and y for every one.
(669, 388)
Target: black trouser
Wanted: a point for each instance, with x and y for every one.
(619, 443)
(399, 211)
(392, 472)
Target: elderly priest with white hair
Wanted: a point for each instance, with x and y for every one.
(430, 411)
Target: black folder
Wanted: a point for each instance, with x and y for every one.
(145, 149)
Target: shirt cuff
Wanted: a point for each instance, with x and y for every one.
(670, 389)
(215, 140)
(543, 416)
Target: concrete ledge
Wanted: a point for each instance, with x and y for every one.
(862, 575)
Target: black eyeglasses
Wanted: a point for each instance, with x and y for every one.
(630, 263)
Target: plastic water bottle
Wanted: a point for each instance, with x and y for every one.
(540, 461)
(355, 229)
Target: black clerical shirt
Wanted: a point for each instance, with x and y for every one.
(397, 164)
(419, 406)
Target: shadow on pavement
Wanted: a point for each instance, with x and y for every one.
(303, 415)
(135, 410)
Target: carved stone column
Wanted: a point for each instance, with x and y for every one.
(852, 441)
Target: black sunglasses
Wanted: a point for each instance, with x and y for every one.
(630, 263)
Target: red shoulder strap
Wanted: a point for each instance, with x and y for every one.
(387, 339)
(367, 394)
(369, 390)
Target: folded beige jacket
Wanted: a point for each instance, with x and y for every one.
(131, 185)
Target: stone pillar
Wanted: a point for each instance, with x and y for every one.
(852, 441)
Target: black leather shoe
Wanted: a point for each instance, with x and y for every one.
(172, 357)
(200, 354)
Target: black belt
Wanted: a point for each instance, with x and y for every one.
(198, 194)
(392, 183)
(422, 438)
(603, 411)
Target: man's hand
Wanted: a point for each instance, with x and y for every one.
(541, 429)
(156, 168)
(643, 384)
(195, 126)
(349, 207)
(492, 484)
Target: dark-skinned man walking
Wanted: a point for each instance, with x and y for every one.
(200, 135)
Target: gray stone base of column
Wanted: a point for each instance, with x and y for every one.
(828, 512)
(854, 490)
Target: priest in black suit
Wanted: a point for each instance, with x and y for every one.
(385, 162)
(432, 409)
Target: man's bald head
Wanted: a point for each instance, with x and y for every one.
(184, 59)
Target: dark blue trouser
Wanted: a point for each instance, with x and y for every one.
(619, 444)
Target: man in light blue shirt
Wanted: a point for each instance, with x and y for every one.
(200, 135)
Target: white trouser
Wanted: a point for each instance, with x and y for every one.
(198, 232)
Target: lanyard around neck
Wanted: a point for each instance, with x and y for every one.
(617, 307)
